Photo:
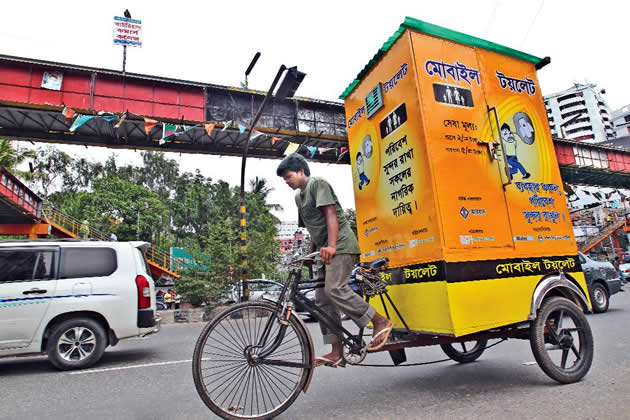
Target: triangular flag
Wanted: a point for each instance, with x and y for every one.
(323, 150)
(226, 124)
(291, 148)
(255, 134)
(209, 127)
(241, 128)
(110, 118)
(275, 139)
(168, 130)
(312, 150)
(342, 151)
(122, 119)
(148, 124)
(186, 128)
(79, 121)
(68, 113)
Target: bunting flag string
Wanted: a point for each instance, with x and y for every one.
(79, 121)
(171, 130)
(209, 128)
(168, 131)
(291, 148)
(311, 150)
(241, 127)
(122, 119)
(149, 124)
(68, 113)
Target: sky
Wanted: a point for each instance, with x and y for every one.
(213, 42)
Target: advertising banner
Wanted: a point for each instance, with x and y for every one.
(535, 196)
(392, 181)
(468, 182)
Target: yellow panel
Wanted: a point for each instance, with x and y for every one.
(423, 305)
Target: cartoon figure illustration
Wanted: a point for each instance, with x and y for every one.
(449, 95)
(509, 146)
(363, 179)
(524, 127)
(456, 94)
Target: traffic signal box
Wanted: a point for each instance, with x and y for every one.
(456, 180)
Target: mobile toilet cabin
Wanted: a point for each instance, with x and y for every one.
(456, 180)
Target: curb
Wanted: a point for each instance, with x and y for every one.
(183, 316)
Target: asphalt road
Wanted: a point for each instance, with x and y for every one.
(151, 379)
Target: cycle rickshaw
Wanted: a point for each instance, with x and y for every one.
(464, 228)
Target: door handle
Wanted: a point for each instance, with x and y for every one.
(34, 292)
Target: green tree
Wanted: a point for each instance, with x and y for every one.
(119, 206)
(351, 217)
(11, 158)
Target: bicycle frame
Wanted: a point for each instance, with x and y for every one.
(284, 308)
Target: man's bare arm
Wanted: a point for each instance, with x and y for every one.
(332, 225)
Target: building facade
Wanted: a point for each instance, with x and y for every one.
(580, 113)
(288, 234)
(621, 121)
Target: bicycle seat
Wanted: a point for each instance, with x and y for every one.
(375, 264)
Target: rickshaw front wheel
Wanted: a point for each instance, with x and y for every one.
(562, 341)
(470, 350)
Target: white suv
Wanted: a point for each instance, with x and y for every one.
(73, 298)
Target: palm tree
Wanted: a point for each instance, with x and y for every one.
(261, 187)
(10, 158)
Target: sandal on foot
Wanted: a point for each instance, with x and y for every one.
(385, 332)
(324, 361)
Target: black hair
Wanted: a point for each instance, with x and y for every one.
(294, 162)
(358, 155)
(505, 126)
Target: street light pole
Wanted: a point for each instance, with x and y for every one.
(287, 88)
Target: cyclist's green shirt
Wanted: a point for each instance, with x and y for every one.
(319, 193)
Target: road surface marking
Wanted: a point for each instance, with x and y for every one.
(130, 367)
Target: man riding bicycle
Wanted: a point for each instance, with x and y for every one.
(320, 212)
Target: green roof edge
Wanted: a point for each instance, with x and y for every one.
(439, 31)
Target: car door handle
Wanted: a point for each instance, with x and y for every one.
(34, 292)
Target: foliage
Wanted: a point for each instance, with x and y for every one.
(160, 204)
(200, 287)
(351, 217)
(11, 158)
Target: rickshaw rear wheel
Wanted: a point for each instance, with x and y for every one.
(467, 353)
(562, 341)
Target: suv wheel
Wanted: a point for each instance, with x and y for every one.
(76, 344)
(599, 297)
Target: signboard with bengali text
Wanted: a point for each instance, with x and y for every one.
(127, 31)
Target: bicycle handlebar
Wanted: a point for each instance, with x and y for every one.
(304, 258)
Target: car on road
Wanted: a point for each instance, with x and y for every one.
(70, 299)
(257, 289)
(602, 281)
